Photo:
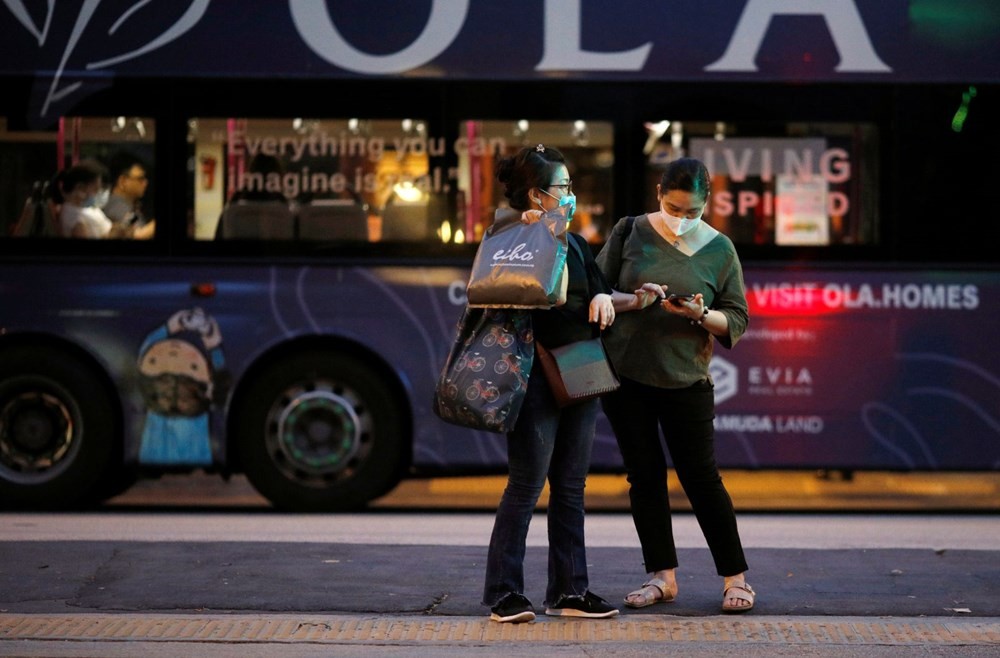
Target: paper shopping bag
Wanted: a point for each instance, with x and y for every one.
(521, 265)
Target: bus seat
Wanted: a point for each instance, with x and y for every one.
(406, 221)
(40, 216)
(333, 219)
(258, 220)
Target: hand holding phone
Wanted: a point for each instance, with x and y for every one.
(678, 298)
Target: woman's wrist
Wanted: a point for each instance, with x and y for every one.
(701, 318)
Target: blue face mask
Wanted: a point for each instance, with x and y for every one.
(568, 200)
(565, 200)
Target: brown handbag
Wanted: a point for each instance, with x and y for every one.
(577, 372)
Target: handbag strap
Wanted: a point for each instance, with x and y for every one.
(629, 221)
(613, 259)
(576, 248)
(595, 328)
(593, 284)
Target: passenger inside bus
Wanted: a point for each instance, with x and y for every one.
(124, 207)
(79, 190)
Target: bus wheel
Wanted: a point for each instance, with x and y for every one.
(319, 432)
(57, 431)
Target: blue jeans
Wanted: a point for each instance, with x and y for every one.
(553, 442)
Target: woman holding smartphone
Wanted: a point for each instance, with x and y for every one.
(662, 355)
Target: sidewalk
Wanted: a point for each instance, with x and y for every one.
(416, 595)
(752, 491)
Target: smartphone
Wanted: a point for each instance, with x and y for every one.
(676, 298)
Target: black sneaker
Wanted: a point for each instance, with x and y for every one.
(589, 605)
(513, 608)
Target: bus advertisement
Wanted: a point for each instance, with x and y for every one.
(304, 197)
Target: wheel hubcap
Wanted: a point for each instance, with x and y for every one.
(36, 432)
(318, 434)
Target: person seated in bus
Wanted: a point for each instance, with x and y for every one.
(257, 183)
(80, 191)
(124, 206)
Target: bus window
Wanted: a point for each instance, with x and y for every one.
(589, 150)
(314, 179)
(794, 184)
(377, 180)
(29, 203)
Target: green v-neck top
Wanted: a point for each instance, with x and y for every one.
(652, 346)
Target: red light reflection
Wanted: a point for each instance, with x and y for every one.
(801, 299)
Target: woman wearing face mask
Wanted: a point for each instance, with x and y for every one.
(662, 356)
(548, 442)
(80, 189)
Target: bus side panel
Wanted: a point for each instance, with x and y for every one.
(839, 369)
(407, 315)
(404, 315)
(863, 370)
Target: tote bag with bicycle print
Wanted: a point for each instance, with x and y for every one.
(485, 377)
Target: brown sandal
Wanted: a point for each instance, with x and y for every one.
(744, 593)
(647, 598)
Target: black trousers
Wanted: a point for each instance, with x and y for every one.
(637, 414)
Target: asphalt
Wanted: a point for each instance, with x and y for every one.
(216, 593)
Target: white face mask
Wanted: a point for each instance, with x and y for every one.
(98, 200)
(680, 225)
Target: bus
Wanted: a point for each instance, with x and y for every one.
(318, 178)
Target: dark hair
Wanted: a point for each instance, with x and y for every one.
(84, 172)
(687, 175)
(532, 166)
(265, 164)
(122, 163)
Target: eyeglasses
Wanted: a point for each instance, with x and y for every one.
(567, 187)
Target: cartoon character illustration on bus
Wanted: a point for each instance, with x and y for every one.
(181, 373)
